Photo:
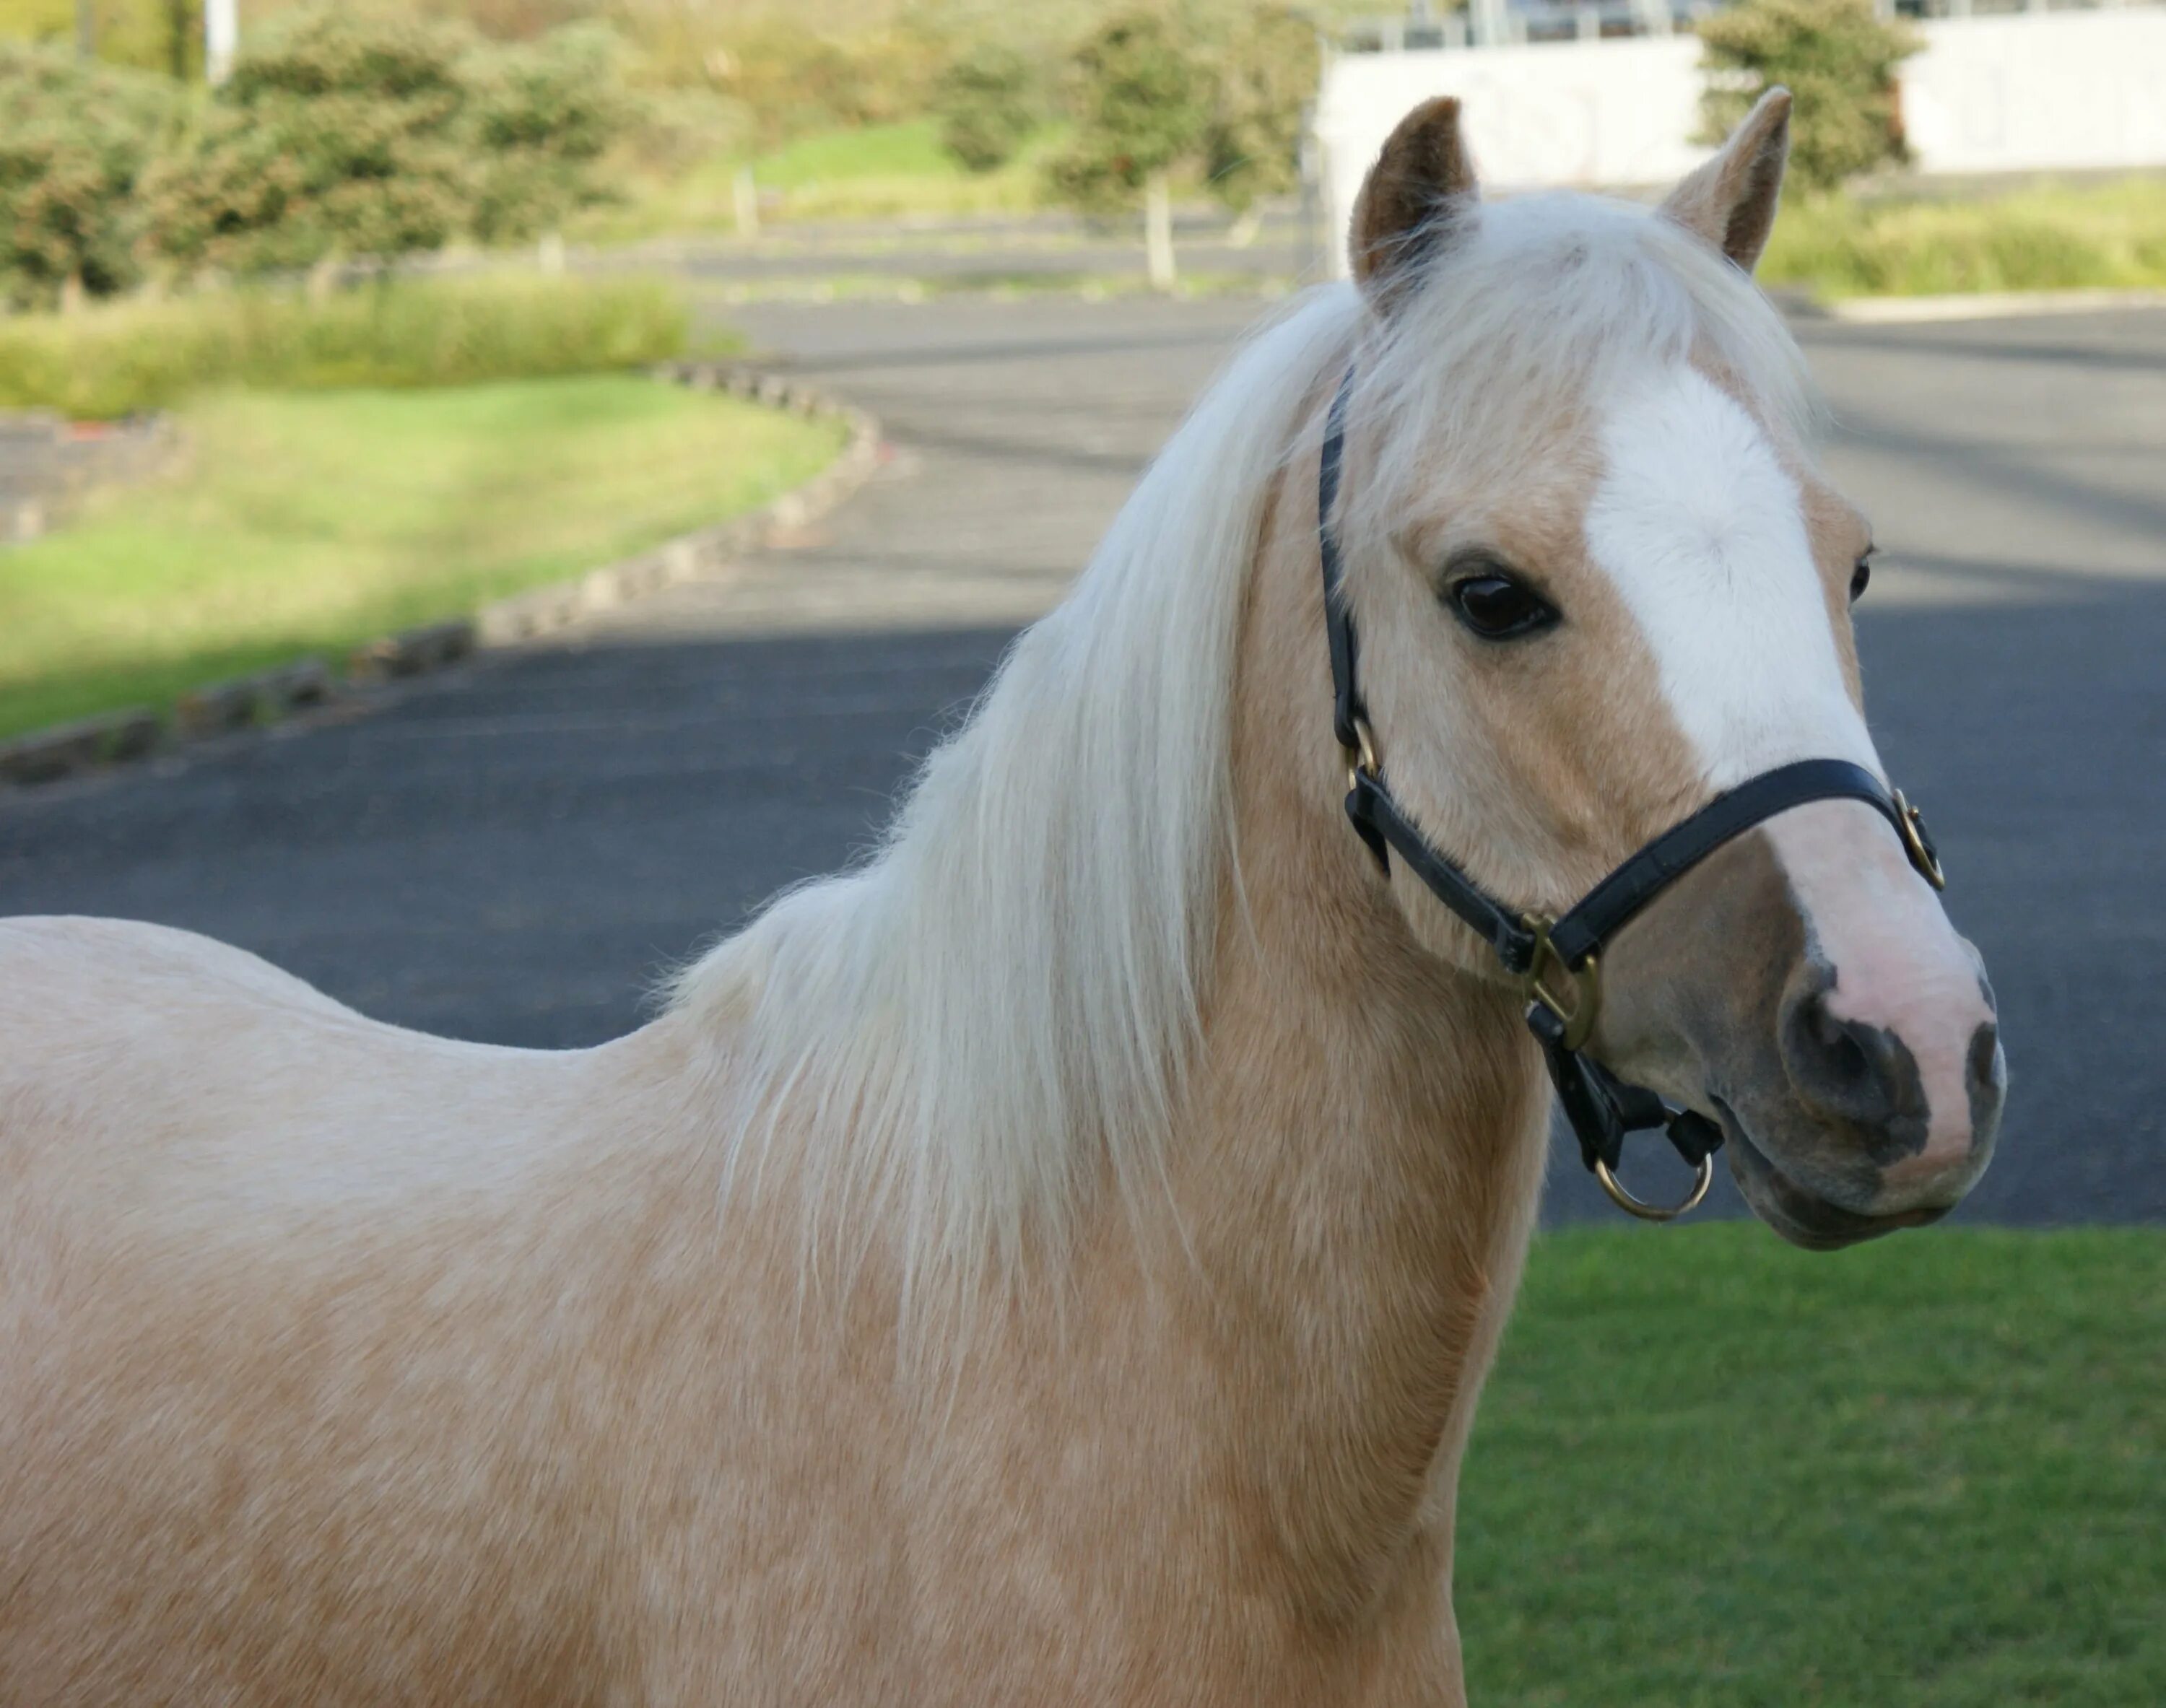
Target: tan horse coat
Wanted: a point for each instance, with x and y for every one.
(545, 1424)
(342, 1365)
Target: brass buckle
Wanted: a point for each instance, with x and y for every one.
(1654, 1212)
(1361, 762)
(1911, 823)
(1583, 982)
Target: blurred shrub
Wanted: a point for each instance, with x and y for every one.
(793, 80)
(1267, 71)
(1213, 94)
(2043, 238)
(509, 20)
(672, 131)
(337, 133)
(113, 361)
(74, 142)
(1142, 95)
(361, 133)
(543, 115)
(987, 103)
(1838, 59)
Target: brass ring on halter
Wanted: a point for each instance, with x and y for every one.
(1583, 982)
(1911, 824)
(1361, 762)
(1654, 1212)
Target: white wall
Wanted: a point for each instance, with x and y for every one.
(2039, 90)
(2031, 91)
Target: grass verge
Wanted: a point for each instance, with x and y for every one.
(312, 522)
(2043, 238)
(112, 361)
(1929, 1473)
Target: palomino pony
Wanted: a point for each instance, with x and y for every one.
(1055, 1261)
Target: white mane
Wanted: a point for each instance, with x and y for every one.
(999, 1004)
(1000, 1000)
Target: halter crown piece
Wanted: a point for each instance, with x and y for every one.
(1557, 961)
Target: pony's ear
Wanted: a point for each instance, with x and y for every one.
(1419, 193)
(1730, 201)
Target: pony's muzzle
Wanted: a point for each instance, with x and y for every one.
(1863, 1080)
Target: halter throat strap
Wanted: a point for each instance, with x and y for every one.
(1557, 958)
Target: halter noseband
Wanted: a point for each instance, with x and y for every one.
(1557, 961)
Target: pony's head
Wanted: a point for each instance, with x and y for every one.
(1598, 580)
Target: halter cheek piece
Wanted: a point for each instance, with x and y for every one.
(1558, 961)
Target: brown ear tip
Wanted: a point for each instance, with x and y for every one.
(1437, 112)
(1777, 102)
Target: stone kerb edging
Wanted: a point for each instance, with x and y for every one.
(64, 750)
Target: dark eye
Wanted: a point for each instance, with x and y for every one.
(1861, 577)
(1497, 608)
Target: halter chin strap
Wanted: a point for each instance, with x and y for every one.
(1558, 961)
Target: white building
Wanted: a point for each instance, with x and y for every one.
(2034, 90)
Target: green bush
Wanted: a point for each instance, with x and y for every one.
(1266, 73)
(1212, 95)
(2044, 238)
(543, 114)
(1142, 93)
(337, 134)
(114, 360)
(74, 142)
(367, 134)
(1836, 57)
(987, 104)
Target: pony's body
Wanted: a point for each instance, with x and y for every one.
(372, 1368)
(1054, 1263)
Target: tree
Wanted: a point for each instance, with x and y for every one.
(543, 115)
(987, 100)
(364, 134)
(75, 141)
(1838, 59)
(337, 135)
(1267, 74)
(1144, 100)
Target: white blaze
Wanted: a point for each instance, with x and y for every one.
(1703, 530)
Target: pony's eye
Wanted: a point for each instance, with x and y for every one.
(1497, 608)
(1861, 577)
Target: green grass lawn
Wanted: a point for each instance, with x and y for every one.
(299, 523)
(1712, 1470)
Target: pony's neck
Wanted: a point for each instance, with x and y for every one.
(1357, 1166)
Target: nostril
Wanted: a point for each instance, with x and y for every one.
(1844, 1057)
(1861, 1073)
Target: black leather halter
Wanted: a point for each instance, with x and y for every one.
(1557, 960)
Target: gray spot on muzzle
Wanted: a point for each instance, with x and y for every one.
(1986, 1089)
(1862, 1077)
